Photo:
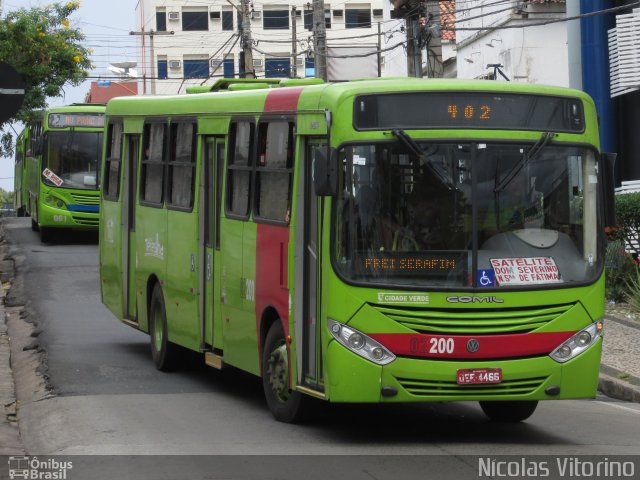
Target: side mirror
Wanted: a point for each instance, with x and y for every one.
(325, 172)
(37, 147)
(607, 163)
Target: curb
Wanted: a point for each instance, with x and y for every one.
(616, 388)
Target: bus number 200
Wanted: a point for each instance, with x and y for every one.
(432, 345)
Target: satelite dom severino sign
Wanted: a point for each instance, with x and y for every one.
(11, 91)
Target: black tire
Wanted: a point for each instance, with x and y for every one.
(34, 225)
(46, 234)
(164, 353)
(286, 405)
(509, 412)
(20, 212)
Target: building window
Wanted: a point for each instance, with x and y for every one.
(196, 68)
(227, 20)
(309, 67)
(182, 164)
(228, 68)
(308, 19)
(275, 19)
(357, 18)
(192, 21)
(274, 171)
(152, 175)
(277, 67)
(239, 169)
(111, 185)
(161, 21)
(162, 70)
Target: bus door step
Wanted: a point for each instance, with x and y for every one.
(213, 360)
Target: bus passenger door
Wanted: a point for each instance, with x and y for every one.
(210, 207)
(132, 145)
(307, 310)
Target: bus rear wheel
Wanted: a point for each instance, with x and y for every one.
(34, 225)
(285, 404)
(509, 412)
(163, 352)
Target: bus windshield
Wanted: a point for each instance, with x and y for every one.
(73, 156)
(405, 214)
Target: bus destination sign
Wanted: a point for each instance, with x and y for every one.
(473, 110)
(63, 120)
(425, 264)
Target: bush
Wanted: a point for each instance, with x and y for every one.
(628, 217)
(620, 269)
(633, 291)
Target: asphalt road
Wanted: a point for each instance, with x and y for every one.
(109, 399)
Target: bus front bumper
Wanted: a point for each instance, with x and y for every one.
(350, 378)
(52, 217)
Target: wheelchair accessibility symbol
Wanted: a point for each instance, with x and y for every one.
(486, 278)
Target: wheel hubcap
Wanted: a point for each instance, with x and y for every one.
(278, 373)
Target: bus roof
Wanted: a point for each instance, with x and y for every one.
(313, 97)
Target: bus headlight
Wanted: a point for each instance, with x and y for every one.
(360, 344)
(578, 343)
(54, 201)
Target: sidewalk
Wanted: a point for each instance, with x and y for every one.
(10, 442)
(620, 365)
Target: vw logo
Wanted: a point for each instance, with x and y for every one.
(473, 345)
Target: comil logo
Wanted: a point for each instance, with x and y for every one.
(36, 469)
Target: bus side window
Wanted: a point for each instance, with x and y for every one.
(111, 186)
(239, 168)
(152, 176)
(182, 164)
(274, 171)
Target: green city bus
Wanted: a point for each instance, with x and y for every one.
(375, 241)
(57, 169)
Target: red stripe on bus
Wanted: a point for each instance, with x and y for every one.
(457, 346)
(282, 99)
(271, 272)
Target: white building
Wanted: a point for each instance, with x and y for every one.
(504, 33)
(205, 44)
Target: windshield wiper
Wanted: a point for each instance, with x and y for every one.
(414, 148)
(529, 155)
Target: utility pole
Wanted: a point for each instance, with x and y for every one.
(414, 53)
(320, 39)
(246, 42)
(379, 50)
(294, 44)
(151, 33)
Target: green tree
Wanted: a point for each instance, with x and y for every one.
(42, 46)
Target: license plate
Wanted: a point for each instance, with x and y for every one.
(474, 376)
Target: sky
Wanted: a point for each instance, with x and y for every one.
(106, 25)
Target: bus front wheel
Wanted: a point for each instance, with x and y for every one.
(509, 412)
(285, 404)
(163, 352)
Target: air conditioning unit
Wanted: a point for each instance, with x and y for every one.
(215, 64)
(174, 16)
(256, 15)
(298, 13)
(377, 12)
(173, 64)
(257, 63)
(299, 62)
(214, 15)
(338, 13)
